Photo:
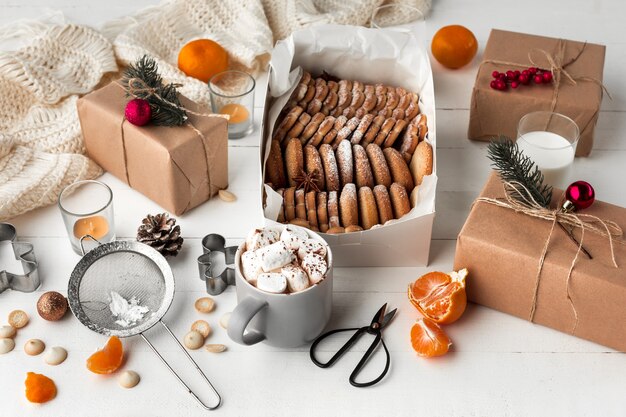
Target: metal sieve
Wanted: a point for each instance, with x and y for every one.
(131, 269)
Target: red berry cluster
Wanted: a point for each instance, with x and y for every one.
(501, 80)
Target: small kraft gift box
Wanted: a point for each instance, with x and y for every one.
(177, 167)
(523, 264)
(575, 90)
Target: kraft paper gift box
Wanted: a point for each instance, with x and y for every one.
(494, 112)
(502, 248)
(175, 167)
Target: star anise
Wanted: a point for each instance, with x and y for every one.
(309, 181)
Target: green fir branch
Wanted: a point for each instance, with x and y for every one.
(513, 165)
(164, 102)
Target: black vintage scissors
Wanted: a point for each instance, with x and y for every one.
(379, 321)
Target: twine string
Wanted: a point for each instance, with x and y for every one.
(527, 205)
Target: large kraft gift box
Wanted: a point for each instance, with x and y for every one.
(175, 167)
(502, 250)
(494, 112)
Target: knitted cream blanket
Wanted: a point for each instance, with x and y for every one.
(40, 139)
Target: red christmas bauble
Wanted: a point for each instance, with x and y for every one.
(138, 112)
(581, 194)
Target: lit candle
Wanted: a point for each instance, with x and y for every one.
(237, 112)
(96, 226)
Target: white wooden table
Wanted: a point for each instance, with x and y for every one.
(498, 365)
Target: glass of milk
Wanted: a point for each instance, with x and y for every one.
(550, 140)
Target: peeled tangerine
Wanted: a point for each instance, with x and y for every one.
(428, 339)
(440, 297)
(39, 388)
(108, 359)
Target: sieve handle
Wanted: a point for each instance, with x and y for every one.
(206, 407)
(82, 247)
(241, 317)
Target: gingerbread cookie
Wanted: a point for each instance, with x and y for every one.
(322, 211)
(311, 127)
(384, 131)
(373, 130)
(399, 200)
(345, 162)
(330, 167)
(367, 208)
(383, 204)
(399, 169)
(313, 165)
(290, 203)
(275, 167)
(311, 210)
(323, 130)
(348, 206)
(398, 127)
(294, 160)
(281, 212)
(380, 170)
(362, 127)
(410, 140)
(301, 205)
(363, 171)
(333, 209)
(287, 123)
(330, 102)
(422, 162)
(299, 126)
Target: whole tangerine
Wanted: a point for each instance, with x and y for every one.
(202, 59)
(454, 46)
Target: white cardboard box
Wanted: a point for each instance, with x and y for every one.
(370, 56)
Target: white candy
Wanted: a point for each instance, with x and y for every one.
(128, 379)
(6, 345)
(293, 236)
(272, 282)
(259, 238)
(193, 340)
(34, 347)
(251, 266)
(224, 320)
(312, 246)
(55, 356)
(7, 331)
(315, 266)
(297, 278)
(274, 256)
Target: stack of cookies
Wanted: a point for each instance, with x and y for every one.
(345, 156)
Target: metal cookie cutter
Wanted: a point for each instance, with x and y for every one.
(217, 271)
(24, 252)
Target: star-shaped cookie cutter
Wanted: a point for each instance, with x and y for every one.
(24, 252)
(216, 281)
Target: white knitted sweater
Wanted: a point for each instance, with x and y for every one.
(41, 149)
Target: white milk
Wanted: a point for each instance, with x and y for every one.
(552, 153)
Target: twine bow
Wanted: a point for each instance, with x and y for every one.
(138, 88)
(527, 205)
(557, 67)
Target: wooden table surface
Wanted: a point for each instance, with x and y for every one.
(498, 365)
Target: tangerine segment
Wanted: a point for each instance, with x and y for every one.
(439, 296)
(202, 59)
(454, 46)
(108, 359)
(39, 388)
(428, 339)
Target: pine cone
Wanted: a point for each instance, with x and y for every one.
(161, 233)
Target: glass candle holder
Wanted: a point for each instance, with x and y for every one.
(87, 210)
(232, 93)
(550, 140)
(385, 17)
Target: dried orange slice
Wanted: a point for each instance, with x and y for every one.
(108, 359)
(39, 388)
(440, 297)
(428, 339)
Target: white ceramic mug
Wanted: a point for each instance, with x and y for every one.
(281, 320)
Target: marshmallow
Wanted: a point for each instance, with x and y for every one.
(315, 266)
(293, 237)
(312, 246)
(259, 238)
(251, 266)
(297, 278)
(272, 282)
(275, 256)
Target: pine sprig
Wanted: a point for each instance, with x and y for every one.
(513, 165)
(165, 112)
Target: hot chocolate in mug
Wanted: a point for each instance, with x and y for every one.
(281, 320)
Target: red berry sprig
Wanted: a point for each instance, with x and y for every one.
(502, 80)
